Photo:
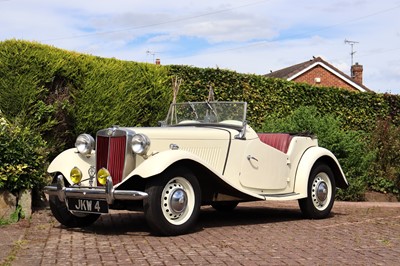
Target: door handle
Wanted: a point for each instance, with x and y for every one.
(249, 157)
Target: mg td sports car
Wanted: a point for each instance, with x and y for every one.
(204, 153)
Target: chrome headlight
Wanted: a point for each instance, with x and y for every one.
(140, 144)
(84, 143)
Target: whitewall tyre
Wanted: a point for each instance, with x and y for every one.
(321, 192)
(173, 204)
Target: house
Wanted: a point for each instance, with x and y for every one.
(318, 72)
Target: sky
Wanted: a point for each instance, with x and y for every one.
(246, 36)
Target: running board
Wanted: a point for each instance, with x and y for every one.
(286, 196)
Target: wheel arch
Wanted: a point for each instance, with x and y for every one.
(65, 161)
(158, 163)
(338, 174)
(209, 181)
(312, 157)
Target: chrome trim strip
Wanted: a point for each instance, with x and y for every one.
(107, 193)
(280, 195)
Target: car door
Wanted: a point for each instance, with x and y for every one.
(263, 167)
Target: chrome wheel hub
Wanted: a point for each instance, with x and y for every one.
(174, 200)
(178, 201)
(321, 191)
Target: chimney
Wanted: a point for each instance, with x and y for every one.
(357, 73)
(158, 62)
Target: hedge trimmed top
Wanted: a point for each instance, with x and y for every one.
(52, 95)
(83, 93)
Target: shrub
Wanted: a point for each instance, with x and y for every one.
(348, 146)
(385, 168)
(22, 153)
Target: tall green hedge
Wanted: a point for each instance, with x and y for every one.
(60, 94)
(37, 84)
(358, 111)
(116, 92)
(63, 93)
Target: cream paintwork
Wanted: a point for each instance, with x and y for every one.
(189, 139)
(235, 173)
(304, 168)
(159, 162)
(180, 167)
(238, 155)
(275, 173)
(263, 167)
(209, 144)
(168, 134)
(70, 158)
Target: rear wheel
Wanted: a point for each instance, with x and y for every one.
(173, 204)
(321, 193)
(65, 217)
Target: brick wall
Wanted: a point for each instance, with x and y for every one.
(326, 78)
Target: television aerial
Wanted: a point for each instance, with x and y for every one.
(352, 43)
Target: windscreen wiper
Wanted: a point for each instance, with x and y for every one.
(194, 110)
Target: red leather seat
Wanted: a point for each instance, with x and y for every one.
(280, 141)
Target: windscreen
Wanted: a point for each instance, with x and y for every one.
(206, 112)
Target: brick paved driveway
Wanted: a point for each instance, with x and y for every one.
(261, 233)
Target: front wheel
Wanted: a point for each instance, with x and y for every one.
(65, 217)
(321, 193)
(173, 204)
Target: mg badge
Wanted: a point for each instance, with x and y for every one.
(92, 172)
(92, 175)
(112, 130)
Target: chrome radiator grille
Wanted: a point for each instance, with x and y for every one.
(110, 154)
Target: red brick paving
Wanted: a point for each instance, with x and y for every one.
(261, 233)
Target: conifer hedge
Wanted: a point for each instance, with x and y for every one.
(265, 96)
(60, 94)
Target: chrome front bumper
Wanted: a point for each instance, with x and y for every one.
(107, 193)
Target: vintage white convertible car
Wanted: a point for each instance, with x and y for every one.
(204, 153)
